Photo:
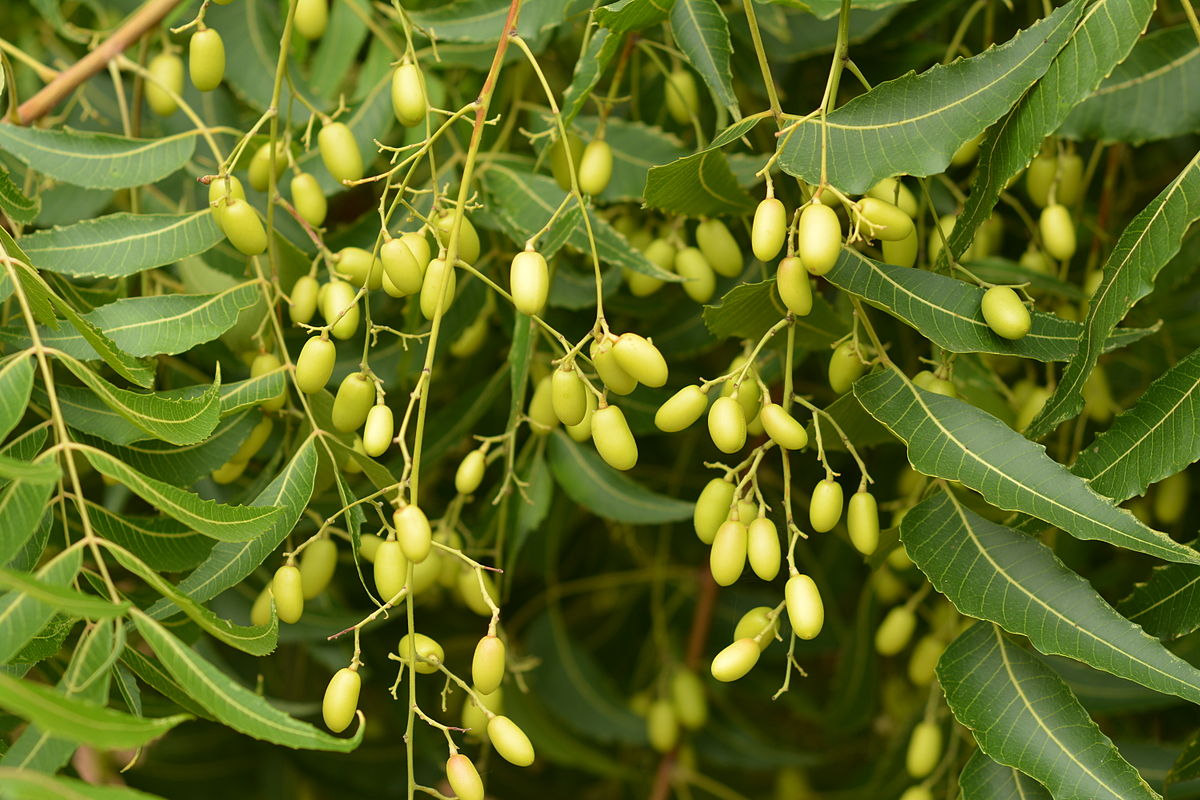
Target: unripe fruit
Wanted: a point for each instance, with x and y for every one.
(662, 727)
(763, 550)
(1170, 497)
(470, 472)
(687, 695)
(568, 396)
(228, 472)
(308, 199)
(303, 299)
(895, 631)
(727, 558)
(887, 222)
(287, 588)
(862, 521)
(1004, 313)
(425, 652)
(924, 749)
(712, 508)
(922, 664)
(166, 73)
(819, 238)
(941, 231)
(892, 190)
(805, 610)
(438, 275)
(682, 409)
(471, 339)
(583, 431)
(315, 364)
(259, 171)
(529, 279)
(719, 247)
(917, 792)
(408, 95)
(782, 427)
(541, 407)
(1039, 177)
(1035, 260)
(1058, 231)
(404, 261)
(260, 612)
(510, 741)
(727, 424)
(613, 439)
(470, 593)
(241, 225)
(358, 267)
(340, 309)
(473, 716)
(662, 254)
(615, 378)
(391, 569)
(264, 363)
(682, 98)
(932, 383)
(757, 621)
(254, 442)
(844, 367)
(560, 166)
(769, 229)
(413, 533)
(354, 400)
(487, 665)
(825, 507)
(902, 253)
(312, 17)
(792, 283)
(219, 189)
(966, 151)
(378, 430)
(206, 59)
(595, 167)
(318, 562)
(341, 699)
(468, 238)
(699, 280)
(368, 546)
(735, 660)
(748, 394)
(340, 152)
(640, 359)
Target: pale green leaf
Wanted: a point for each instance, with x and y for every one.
(42, 471)
(601, 48)
(63, 599)
(702, 34)
(251, 392)
(16, 381)
(13, 202)
(98, 160)
(22, 616)
(22, 506)
(163, 543)
(701, 183)
(984, 779)
(25, 784)
(632, 15)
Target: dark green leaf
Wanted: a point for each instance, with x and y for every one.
(702, 33)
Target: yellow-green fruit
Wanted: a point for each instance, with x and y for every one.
(712, 508)
(1035, 260)
(924, 749)
(639, 283)
(425, 652)
(719, 247)
(341, 699)
(988, 238)
(683, 100)
(229, 472)
(699, 280)
(470, 593)
(782, 427)
(898, 559)
(932, 383)
(917, 792)
(510, 741)
(312, 16)
(354, 400)
(391, 569)
(464, 778)
(568, 396)
(1039, 177)
(755, 622)
(368, 546)
(473, 717)
(259, 171)
(471, 339)
(378, 430)
(260, 612)
(727, 558)
(583, 431)
(242, 227)
(287, 587)
(206, 59)
(805, 610)
(263, 364)
(340, 152)
(640, 359)
(941, 231)
(1004, 313)
(735, 660)
(413, 533)
(1058, 231)
(681, 410)
(318, 562)
(845, 367)
(892, 190)
(438, 275)
(1065, 174)
(762, 548)
(358, 267)
(315, 365)
(254, 442)
(560, 166)
(966, 151)
(895, 631)
(902, 253)
(340, 309)
(688, 699)
(468, 237)
(304, 299)
(408, 95)
(403, 265)
(308, 199)
(487, 665)
(1170, 498)
(922, 664)
(769, 229)
(825, 507)
(862, 521)
(166, 75)
(529, 279)
(887, 222)
(541, 407)
(794, 287)
(819, 238)
(219, 189)
(470, 471)
(661, 253)
(662, 726)
(613, 439)
(351, 465)
(727, 424)
(595, 167)
(615, 378)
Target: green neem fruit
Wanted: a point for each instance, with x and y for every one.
(1004, 313)
(805, 610)
(757, 621)
(340, 309)
(206, 59)
(699, 280)
(471, 339)
(613, 439)
(1058, 231)
(287, 587)
(1170, 498)
(368, 546)
(893, 191)
(541, 407)
(583, 431)
(845, 367)
(341, 699)
(895, 631)
(966, 151)
(315, 364)
(1070, 179)
(408, 95)
(312, 16)
(683, 100)
(727, 558)
(762, 549)
(922, 663)
(640, 284)
(614, 377)
(529, 280)
(259, 171)
(769, 229)
(304, 299)
(825, 507)
(470, 593)
(941, 231)
(1035, 260)
(568, 395)
(902, 253)
(662, 726)
(241, 225)
(260, 612)
(378, 431)
(228, 472)
(819, 238)
(354, 400)
(681, 410)
(727, 424)
(391, 569)
(510, 741)
(470, 471)
(464, 778)
(792, 283)
(473, 717)
(308, 199)
(468, 237)
(254, 442)
(924, 749)
(1039, 177)
(426, 653)
(887, 222)
(560, 165)
(640, 359)
(932, 383)
(166, 76)
(595, 167)
(358, 267)
(403, 266)
(220, 188)
(712, 508)
(264, 363)
(719, 247)
(487, 665)
(782, 427)
(862, 521)
(339, 152)
(318, 562)
(438, 275)
(918, 792)
(413, 532)
(735, 660)
(988, 238)
(687, 696)
(661, 253)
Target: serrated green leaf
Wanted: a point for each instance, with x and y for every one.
(163, 543)
(240, 395)
(695, 185)
(950, 439)
(516, 204)
(702, 34)
(22, 616)
(1168, 604)
(22, 506)
(98, 160)
(152, 673)
(601, 48)
(746, 312)
(984, 779)
(632, 15)
(13, 202)
(1187, 766)
(25, 784)
(1024, 716)
(16, 381)
(62, 598)
(42, 471)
